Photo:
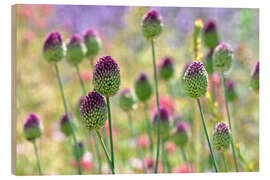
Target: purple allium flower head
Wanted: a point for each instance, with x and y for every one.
(180, 136)
(164, 120)
(65, 126)
(75, 51)
(230, 88)
(222, 58)
(126, 99)
(255, 73)
(166, 68)
(92, 43)
(181, 127)
(210, 35)
(80, 148)
(32, 127)
(53, 47)
(196, 80)
(143, 87)
(151, 24)
(221, 137)
(106, 76)
(93, 111)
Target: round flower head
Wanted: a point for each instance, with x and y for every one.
(166, 69)
(53, 50)
(230, 88)
(208, 62)
(93, 111)
(210, 35)
(80, 148)
(222, 58)
(196, 80)
(143, 87)
(32, 127)
(255, 76)
(75, 51)
(221, 137)
(92, 43)
(180, 136)
(106, 76)
(126, 99)
(151, 24)
(65, 125)
(164, 120)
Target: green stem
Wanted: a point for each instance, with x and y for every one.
(184, 155)
(69, 120)
(224, 161)
(105, 151)
(166, 158)
(148, 126)
(37, 157)
(157, 101)
(207, 137)
(110, 126)
(81, 81)
(229, 119)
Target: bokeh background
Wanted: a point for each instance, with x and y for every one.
(119, 28)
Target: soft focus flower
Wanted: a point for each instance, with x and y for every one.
(164, 120)
(222, 58)
(32, 127)
(143, 87)
(230, 88)
(255, 76)
(180, 136)
(126, 99)
(86, 75)
(92, 43)
(166, 68)
(196, 80)
(75, 50)
(210, 35)
(151, 24)
(106, 76)
(65, 126)
(150, 165)
(143, 142)
(86, 162)
(170, 147)
(221, 137)
(183, 169)
(80, 148)
(93, 111)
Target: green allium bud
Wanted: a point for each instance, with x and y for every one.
(106, 76)
(151, 24)
(65, 126)
(143, 87)
(93, 111)
(196, 80)
(126, 99)
(166, 68)
(164, 120)
(255, 77)
(221, 137)
(92, 43)
(180, 136)
(75, 50)
(210, 35)
(53, 50)
(80, 148)
(222, 58)
(230, 88)
(32, 127)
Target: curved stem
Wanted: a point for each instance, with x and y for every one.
(110, 126)
(69, 120)
(105, 151)
(224, 161)
(81, 81)
(37, 157)
(157, 101)
(229, 119)
(207, 137)
(183, 151)
(148, 126)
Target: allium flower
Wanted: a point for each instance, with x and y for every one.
(143, 142)
(93, 111)
(208, 62)
(180, 136)
(222, 58)
(196, 80)
(221, 137)
(230, 88)
(32, 127)
(164, 120)
(53, 50)
(81, 149)
(166, 68)
(126, 99)
(170, 147)
(106, 76)
(143, 87)
(151, 24)
(210, 35)
(255, 76)
(75, 50)
(65, 125)
(150, 165)
(92, 43)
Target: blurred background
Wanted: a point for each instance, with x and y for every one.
(120, 32)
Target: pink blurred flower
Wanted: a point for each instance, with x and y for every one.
(170, 147)
(183, 169)
(143, 142)
(40, 22)
(86, 75)
(86, 162)
(28, 36)
(216, 79)
(26, 10)
(150, 165)
(45, 9)
(166, 102)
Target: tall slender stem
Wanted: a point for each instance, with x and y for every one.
(110, 127)
(37, 157)
(166, 158)
(81, 81)
(148, 126)
(224, 162)
(183, 151)
(229, 119)
(69, 120)
(105, 151)
(207, 137)
(157, 101)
